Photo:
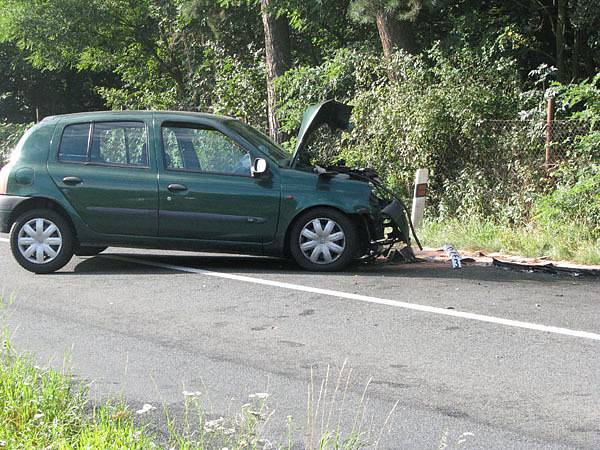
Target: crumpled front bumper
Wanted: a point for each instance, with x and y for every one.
(396, 212)
(389, 227)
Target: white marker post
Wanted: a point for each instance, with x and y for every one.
(418, 206)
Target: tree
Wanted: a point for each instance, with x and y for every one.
(166, 53)
(392, 18)
(278, 58)
(26, 92)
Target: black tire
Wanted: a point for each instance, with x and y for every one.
(342, 223)
(88, 251)
(64, 251)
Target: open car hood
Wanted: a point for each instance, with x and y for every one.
(330, 112)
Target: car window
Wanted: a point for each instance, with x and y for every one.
(120, 143)
(203, 149)
(74, 143)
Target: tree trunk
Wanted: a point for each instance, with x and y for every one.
(393, 33)
(278, 58)
(561, 25)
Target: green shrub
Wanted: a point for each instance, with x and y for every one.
(439, 115)
(437, 111)
(579, 203)
(580, 102)
(218, 82)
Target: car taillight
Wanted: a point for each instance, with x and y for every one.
(4, 179)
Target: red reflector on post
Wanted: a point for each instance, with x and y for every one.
(421, 190)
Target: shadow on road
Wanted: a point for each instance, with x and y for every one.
(263, 266)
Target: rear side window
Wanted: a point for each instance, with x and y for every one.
(113, 143)
(74, 143)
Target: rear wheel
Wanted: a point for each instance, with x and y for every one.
(41, 241)
(323, 239)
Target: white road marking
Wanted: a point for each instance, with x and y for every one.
(365, 298)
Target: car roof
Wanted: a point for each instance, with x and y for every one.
(169, 115)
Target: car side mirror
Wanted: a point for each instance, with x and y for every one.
(259, 167)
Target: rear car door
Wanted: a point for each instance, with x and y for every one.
(107, 171)
(206, 190)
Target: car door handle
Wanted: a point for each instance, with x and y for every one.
(177, 187)
(72, 180)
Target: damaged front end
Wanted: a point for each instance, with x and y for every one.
(391, 225)
(391, 231)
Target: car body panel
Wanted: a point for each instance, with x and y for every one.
(216, 206)
(8, 204)
(334, 114)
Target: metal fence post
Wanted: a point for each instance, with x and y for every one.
(549, 129)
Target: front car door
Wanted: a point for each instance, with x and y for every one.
(107, 171)
(206, 190)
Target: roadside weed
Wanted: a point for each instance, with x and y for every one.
(328, 410)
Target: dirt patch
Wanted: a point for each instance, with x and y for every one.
(438, 256)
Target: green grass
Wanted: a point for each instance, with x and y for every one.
(561, 242)
(43, 408)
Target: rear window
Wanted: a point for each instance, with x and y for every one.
(112, 143)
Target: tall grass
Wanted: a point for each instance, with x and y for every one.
(560, 242)
(43, 408)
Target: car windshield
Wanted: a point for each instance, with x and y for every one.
(275, 151)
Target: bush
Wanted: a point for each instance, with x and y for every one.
(579, 203)
(219, 83)
(10, 133)
(581, 102)
(340, 76)
(437, 111)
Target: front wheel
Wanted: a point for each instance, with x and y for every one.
(41, 241)
(324, 240)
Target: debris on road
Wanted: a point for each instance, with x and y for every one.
(453, 256)
(510, 262)
(547, 268)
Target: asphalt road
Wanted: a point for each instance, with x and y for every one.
(154, 324)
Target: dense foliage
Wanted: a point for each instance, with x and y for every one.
(454, 114)
(578, 203)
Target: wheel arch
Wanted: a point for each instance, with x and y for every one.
(42, 202)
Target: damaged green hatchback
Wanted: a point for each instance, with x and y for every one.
(79, 183)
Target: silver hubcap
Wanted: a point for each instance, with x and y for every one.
(322, 241)
(39, 241)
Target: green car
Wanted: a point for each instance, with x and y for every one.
(79, 183)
